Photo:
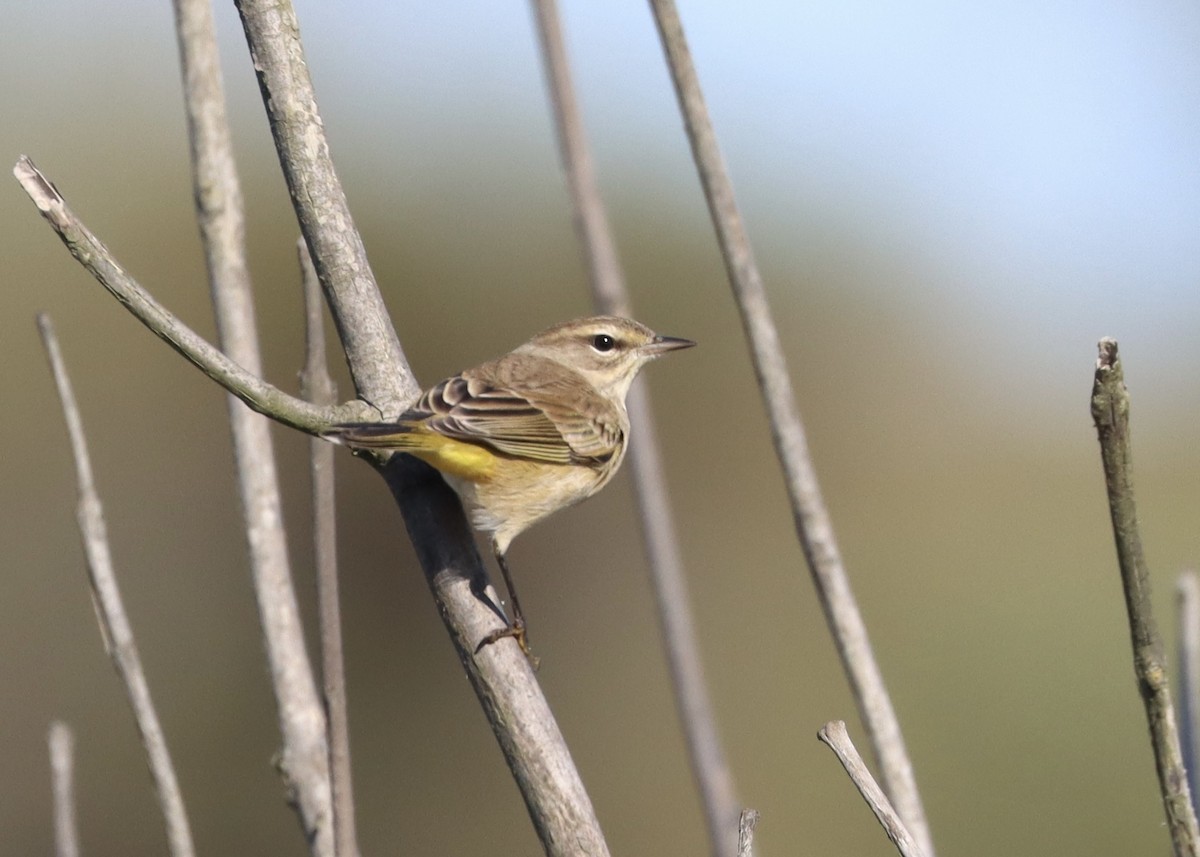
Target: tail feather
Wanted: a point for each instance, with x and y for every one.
(372, 435)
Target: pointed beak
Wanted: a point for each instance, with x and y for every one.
(662, 344)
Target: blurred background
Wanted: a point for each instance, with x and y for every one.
(950, 204)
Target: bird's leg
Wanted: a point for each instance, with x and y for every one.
(516, 628)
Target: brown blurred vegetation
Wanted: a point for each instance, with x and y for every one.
(966, 493)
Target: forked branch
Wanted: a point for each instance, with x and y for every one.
(96, 258)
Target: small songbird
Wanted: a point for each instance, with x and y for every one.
(529, 433)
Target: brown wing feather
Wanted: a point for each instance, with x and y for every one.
(520, 405)
(524, 406)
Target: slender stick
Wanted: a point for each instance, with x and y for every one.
(709, 766)
(834, 735)
(110, 610)
(304, 758)
(812, 521)
(96, 258)
(318, 388)
(1110, 412)
(62, 776)
(1188, 592)
(747, 821)
(376, 359)
(591, 223)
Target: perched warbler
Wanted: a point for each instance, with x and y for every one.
(529, 433)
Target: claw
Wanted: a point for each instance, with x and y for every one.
(517, 631)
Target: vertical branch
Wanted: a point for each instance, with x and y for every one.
(709, 766)
(1188, 591)
(591, 223)
(319, 389)
(1110, 412)
(110, 610)
(62, 779)
(219, 211)
(747, 821)
(813, 524)
(376, 359)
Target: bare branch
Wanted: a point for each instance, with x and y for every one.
(709, 766)
(1188, 592)
(304, 758)
(747, 821)
(377, 362)
(812, 521)
(835, 736)
(62, 777)
(319, 389)
(97, 259)
(591, 223)
(110, 610)
(1110, 412)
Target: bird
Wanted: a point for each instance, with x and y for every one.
(527, 434)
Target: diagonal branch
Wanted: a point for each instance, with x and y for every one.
(508, 692)
(813, 524)
(834, 735)
(110, 610)
(377, 362)
(304, 758)
(512, 701)
(96, 258)
(709, 766)
(514, 704)
(1110, 412)
(1187, 590)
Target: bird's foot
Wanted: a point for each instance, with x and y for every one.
(517, 631)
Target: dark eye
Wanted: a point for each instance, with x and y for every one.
(603, 342)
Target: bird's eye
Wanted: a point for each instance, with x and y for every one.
(603, 342)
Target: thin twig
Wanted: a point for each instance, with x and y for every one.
(62, 780)
(1188, 591)
(747, 821)
(318, 388)
(709, 766)
(377, 364)
(835, 736)
(304, 758)
(96, 258)
(1110, 412)
(110, 611)
(591, 223)
(812, 521)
